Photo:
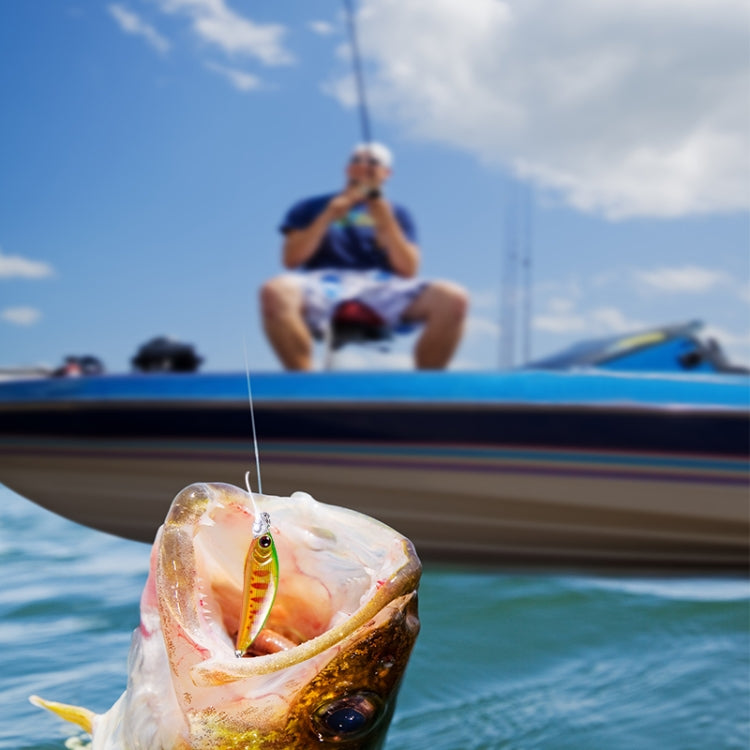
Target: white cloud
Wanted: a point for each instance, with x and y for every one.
(238, 78)
(322, 28)
(216, 23)
(484, 299)
(21, 316)
(736, 345)
(15, 266)
(727, 338)
(562, 317)
(485, 327)
(559, 323)
(130, 23)
(625, 108)
(612, 320)
(560, 314)
(560, 305)
(686, 279)
(342, 89)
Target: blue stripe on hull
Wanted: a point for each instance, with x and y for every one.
(561, 388)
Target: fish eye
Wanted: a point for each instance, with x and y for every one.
(265, 541)
(347, 718)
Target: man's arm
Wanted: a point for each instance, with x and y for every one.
(300, 244)
(403, 254)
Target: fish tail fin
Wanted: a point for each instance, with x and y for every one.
(74, 714)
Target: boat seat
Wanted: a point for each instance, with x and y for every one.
(354, 322)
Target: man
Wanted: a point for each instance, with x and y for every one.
(356, 244)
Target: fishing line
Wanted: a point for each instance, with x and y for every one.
(364, 116)
(255, 434)
(261, 569)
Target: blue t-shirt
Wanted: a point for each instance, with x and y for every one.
(349, 242)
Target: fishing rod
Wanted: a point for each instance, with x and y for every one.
(364, 115)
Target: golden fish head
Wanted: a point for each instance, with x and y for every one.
(346, 600)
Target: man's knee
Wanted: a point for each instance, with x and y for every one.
(447, 300)
(278, 296)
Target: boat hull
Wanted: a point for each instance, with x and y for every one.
(469, 478)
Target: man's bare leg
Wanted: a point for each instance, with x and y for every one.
(281, 307)
(442, 307)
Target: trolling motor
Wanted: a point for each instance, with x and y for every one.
(75, 366)
(162, 354)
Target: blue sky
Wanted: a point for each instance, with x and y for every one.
(150, 147)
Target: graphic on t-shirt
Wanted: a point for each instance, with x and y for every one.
(355, 218)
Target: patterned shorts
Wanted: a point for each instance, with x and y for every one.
(385, 293)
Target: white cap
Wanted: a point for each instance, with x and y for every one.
(376, 151)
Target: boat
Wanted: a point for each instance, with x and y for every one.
(681, 347)
(587, 466)
(22, 373)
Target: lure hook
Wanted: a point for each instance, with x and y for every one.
(262, 525)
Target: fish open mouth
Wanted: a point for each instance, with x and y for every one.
(341, 574)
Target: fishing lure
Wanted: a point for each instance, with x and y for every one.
(261, 580)
(261, 576)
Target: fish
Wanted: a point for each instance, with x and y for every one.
(323, 672)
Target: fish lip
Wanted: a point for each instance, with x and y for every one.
(192, 510)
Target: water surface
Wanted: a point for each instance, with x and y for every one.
(504, 660)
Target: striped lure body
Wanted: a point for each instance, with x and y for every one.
(261, 580)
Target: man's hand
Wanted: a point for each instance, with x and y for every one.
(339, 205)
(363, 182)
(403, 254)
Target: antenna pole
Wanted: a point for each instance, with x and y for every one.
(527, 267)
(516, 291)
(508, 299)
